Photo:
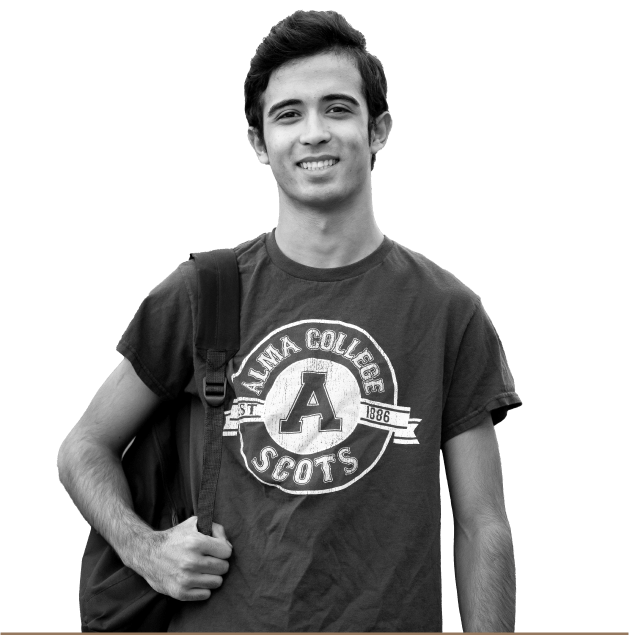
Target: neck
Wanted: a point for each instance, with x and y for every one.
(327, 238)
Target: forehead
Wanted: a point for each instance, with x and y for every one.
(311, 78)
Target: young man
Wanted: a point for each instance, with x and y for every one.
(360, 360)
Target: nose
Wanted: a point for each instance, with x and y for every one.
(314, 131)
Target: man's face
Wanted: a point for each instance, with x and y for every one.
(316, 136)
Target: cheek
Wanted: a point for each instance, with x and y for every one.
(280, 162)
(358, 140)
(279, 152)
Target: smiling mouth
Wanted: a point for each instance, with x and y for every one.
(318, 165)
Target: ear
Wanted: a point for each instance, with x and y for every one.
(257, 143)
(380, 132)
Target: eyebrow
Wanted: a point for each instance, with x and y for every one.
(298, 102)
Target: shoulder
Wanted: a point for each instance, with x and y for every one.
(247, 254)
(172, 287)
(251, 254)
(180, 286)
(420, 274)
(246, 250)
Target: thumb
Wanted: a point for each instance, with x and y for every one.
(218, 532)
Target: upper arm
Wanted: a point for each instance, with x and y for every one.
(117, 411)
(474, 474)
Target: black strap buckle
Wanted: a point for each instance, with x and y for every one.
(214, 393)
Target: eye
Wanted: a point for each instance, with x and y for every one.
(289, 114)
(339, 109)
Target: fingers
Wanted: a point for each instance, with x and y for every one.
(217, 548)
(198, 587)
(218, 531)
(185, 563)
(205, 581)
(216, 545)
(193, 595)
(211, 565)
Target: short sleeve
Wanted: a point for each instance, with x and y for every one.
(481, 381)
(158, 341)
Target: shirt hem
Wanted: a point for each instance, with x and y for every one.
(499, 404)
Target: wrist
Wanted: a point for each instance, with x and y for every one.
(135, 542)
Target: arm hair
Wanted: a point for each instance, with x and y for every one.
(90, 467)
(485, 576)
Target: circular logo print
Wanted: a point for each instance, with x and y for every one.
(316, 406)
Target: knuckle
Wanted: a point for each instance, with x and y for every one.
(192, 541)
(181, 580)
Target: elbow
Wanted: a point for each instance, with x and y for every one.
(69, 456)
(78, 453)
(488, 524)
(63, 462)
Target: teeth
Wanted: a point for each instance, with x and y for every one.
(318, 165)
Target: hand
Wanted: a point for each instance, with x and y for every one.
(184, 563)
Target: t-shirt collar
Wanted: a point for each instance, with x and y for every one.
(326, 275)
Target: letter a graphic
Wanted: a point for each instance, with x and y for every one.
(304, 407)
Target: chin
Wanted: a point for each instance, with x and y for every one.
(324, 198)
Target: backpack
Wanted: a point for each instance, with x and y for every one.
(112, 597)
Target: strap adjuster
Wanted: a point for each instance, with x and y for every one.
(214, 393)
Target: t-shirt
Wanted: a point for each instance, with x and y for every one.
(348, 382)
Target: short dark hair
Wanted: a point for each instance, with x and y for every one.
(307, 33)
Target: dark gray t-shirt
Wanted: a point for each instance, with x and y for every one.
(347, 384)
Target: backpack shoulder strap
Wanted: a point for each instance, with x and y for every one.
(218, 306)
(217, 340)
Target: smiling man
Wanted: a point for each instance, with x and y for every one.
(360, 362)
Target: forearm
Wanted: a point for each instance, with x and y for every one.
(485, 577)
(93, 476)
(180, 562)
